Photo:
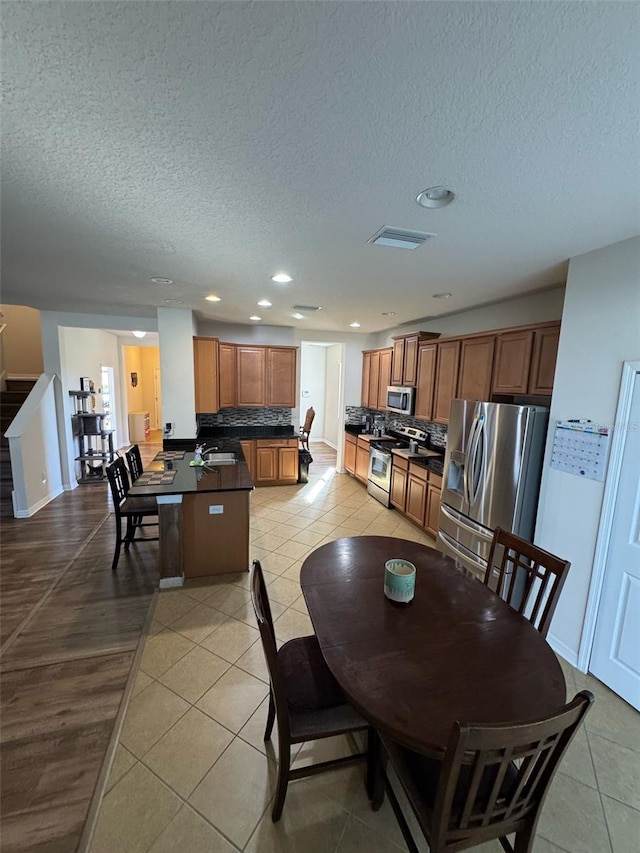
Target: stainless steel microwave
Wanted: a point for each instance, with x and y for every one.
(400, 400)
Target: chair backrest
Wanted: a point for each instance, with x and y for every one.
(308, 421)
(495, 778)
(134, 461)
(118, 481)
(529, 579)
(262, 610)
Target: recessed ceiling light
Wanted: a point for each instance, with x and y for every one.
(388, 313)
(212, 298)
(298, 316)
(138, 334)
(355, 325)
(435, 197)
(281, 278)
(264, 303)
(174, 302)
(441, 296)
(162, 280)
(255, 317)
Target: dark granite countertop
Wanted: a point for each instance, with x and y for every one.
(434, 463)
(205, 433)
(191, 480)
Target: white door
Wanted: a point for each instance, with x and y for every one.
(615, 656)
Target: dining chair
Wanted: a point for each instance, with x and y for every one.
(133, 509)
(492, 782)
(304, 698)
(529, 579)
(134, 461)
(305, 429)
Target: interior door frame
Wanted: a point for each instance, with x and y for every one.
(612, 482)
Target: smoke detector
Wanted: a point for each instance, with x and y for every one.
(399, 238)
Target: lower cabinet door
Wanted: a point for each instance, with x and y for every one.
(350, 456)
(398, 488)
(266, 464)
(362, 462)
(288, 468)
(416, 499)
(433, 509)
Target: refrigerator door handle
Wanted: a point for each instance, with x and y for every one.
(467, 463)
(466, 523)
(466, 555)
(474, 479)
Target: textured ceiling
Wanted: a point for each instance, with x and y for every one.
(217, 143)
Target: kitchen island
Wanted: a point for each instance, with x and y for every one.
(203, 511)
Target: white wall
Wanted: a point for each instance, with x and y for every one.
(176, 330)
(333, 411)
(313, 364)
(538, 308)
(600, 330)
(21, 341)
(82, 352)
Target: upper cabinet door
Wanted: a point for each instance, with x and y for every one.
(227, 364)
(543, 361)
(426, 381)
(476, 368)
(397, 367)
(205, 364)
(374, 379)
(366, 372)
(410, 369)
(384, 379)
(252, 376)
(446, 380)
(281, 377)
(513, 358)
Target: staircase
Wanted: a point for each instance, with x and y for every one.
(10, 402)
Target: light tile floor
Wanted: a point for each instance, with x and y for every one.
(192, 773)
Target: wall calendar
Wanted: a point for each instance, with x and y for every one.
(580, 448)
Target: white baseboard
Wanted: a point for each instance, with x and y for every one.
(169, 583)
(564, 651)
(70, 487)
(23, 377)
(330, 443)
(33, 509)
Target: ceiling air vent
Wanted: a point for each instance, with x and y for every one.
(399, 238)
(306, 307)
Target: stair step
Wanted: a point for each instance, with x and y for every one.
(23, 385)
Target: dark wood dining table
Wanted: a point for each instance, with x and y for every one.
(456, 652)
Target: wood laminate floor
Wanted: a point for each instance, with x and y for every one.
(69, 629)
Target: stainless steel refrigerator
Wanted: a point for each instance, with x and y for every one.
(492, 470)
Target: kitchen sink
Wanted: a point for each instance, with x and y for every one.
(220, 458)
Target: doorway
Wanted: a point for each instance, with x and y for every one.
(322, 386)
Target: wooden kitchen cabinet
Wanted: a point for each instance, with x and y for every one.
(446, 380)
(476, 368)
(416, 494)
(374, 379)
(543, 360)
(513, 362)
(432, 512)
(252, 376)
(205, 369)
(362, 461)
(397, 367)
(227, 379)
(404, 370)
(384, 378)
(350, 444)
(399, 477)
(426, 381)
(366, 370)
(281, 377)
(276, 461)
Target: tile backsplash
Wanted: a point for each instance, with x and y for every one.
(246, 417)
(437, 432)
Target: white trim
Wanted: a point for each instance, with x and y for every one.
(32, 510)
(629, 370)
(23, 377)
(169, 583)
(330, 444)
(70, 486)
(564, 651)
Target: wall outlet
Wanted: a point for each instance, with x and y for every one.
(168, 429)
(216, 509)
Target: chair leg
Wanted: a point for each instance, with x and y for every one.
(131, 531)
(377, 763)
(284, 763)
(271, 715)
(116, 555)
(373, 751)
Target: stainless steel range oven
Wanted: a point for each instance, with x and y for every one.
(379, 478)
